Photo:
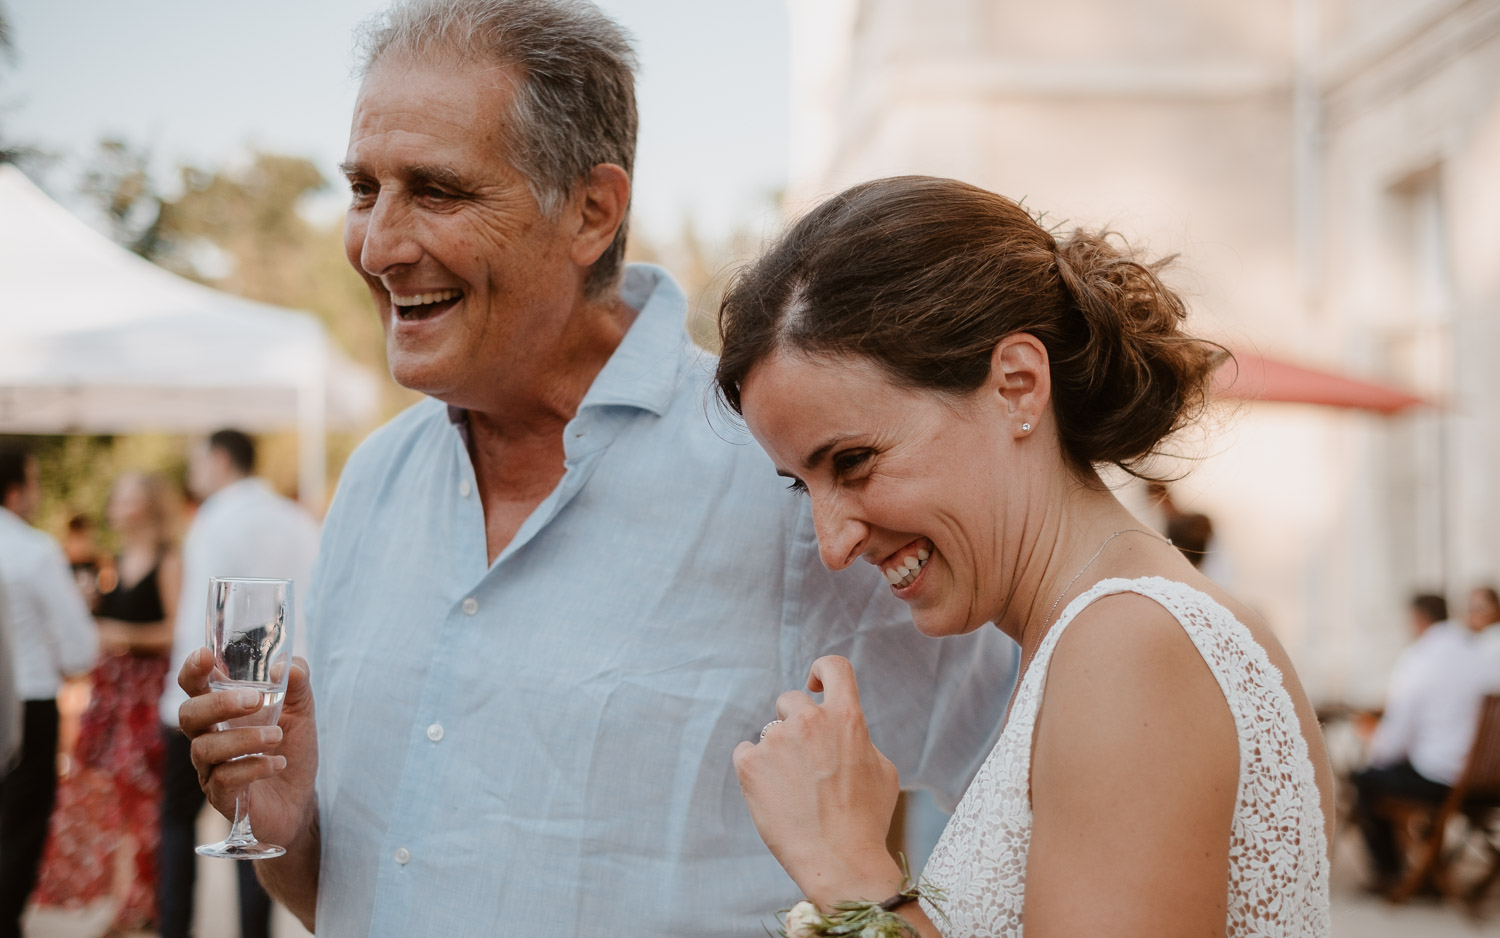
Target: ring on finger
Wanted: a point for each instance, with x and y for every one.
(767, 727)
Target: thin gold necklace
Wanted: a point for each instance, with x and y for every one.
(1080, 573)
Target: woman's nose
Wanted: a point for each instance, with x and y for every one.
(841, 536)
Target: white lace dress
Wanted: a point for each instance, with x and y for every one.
(1278, 852)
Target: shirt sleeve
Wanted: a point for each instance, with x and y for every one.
(935, 706)
(70, 628)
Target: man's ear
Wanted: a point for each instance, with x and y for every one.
(603, 201)
(1021, 380)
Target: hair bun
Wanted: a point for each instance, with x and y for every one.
(924, 276)
(1131, 377)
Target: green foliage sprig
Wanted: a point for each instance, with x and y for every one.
(864, 919)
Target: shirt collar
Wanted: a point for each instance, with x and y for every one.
(236, 489)
(645, 370)
(647, 367)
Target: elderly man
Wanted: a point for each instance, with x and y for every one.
(550, 600)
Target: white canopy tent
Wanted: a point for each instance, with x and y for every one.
(94, 339)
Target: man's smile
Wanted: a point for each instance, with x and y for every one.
(416, 307)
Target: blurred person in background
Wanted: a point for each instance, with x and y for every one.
(1484, 619)
(110, 801)
(52, 637)
(1191, 532)
(552, 597)
(1424, 736)
(243, 528)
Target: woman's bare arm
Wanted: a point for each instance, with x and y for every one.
(1135, 767)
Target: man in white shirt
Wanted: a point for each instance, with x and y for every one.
(1431, 715)
(243, 528)
(52, 636)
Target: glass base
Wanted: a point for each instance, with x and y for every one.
(238, 850)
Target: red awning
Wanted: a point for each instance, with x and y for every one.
(1255, 377)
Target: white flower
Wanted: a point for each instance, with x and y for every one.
(803, 920)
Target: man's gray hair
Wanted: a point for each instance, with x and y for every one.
(574, 105)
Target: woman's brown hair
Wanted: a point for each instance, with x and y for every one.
(924, 276)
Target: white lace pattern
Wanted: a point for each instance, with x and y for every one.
(1278, 851)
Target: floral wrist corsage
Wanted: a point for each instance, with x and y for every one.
(861, 919)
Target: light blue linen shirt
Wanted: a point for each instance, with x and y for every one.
(541, 745)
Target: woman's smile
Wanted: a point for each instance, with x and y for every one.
(903, 568)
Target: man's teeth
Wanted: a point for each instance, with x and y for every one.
(422, 299)
(902, 575)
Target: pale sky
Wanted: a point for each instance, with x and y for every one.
(205, 81)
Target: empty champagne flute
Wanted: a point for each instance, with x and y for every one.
(250, 632)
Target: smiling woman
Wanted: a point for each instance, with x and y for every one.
(942, 378)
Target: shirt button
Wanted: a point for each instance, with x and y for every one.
(403, 856)
(435, 732)
(464, 488)
(470, 606)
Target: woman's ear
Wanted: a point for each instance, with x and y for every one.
(1021, 381)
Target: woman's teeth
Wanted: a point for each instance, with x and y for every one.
(902, 575)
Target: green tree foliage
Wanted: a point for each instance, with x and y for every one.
(11, 151)
(118, 180)
(7, 44)
(78, 471)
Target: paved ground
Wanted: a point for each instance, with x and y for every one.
(1354, 915)
(1359, 915)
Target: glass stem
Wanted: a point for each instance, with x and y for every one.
(240, 832)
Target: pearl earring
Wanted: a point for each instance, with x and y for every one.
(1025, 428)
